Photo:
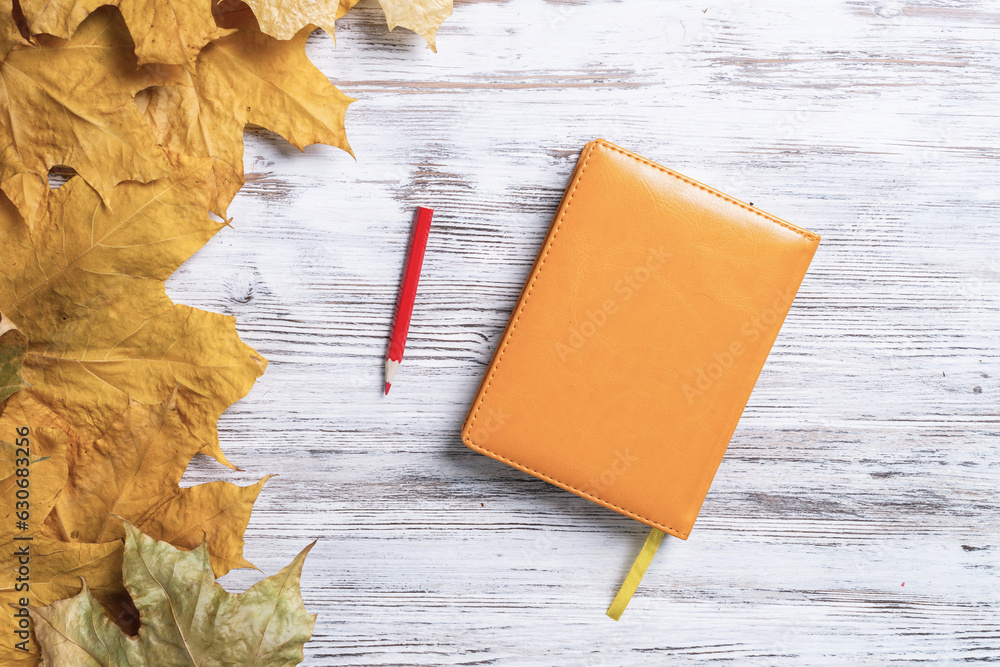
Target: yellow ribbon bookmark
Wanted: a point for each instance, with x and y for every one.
(631, 583)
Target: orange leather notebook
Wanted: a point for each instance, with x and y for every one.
(638, 337)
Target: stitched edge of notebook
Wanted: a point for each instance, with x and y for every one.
(701, 186)
(503, 348)
(570, 487)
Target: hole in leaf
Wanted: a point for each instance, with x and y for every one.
(18, 16)
(59, 174)
(141, 99)
(232, 14)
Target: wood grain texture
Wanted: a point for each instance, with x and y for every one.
(855, 516)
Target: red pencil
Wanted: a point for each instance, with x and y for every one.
(407, 293)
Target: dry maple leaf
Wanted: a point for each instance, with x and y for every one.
(55, 566)
(72, 104)
(40, 447)
(23, 188)
(77, 484)
(283, 20)
(165, 31)
(247, 77)
(133, 471)
(187, 618)
(13, 345)
(85, 285)
(423, 17)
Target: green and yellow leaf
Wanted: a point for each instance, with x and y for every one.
(187, 618)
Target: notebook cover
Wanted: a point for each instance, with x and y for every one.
(638, 338)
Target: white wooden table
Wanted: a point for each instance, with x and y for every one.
(855, 516)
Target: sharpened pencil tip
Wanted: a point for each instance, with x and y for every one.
(387, 385)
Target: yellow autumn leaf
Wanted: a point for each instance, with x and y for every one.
(25, 190)
(423, 17)
(164, 31)
(72, 104)
(40, 446)
(246, 77)
(13, 345)
(283, 20)
(86, 287)
(34, 440)
(133, 471)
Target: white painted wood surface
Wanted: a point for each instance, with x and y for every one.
(868, 455)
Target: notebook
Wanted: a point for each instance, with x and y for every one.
(638, 338)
